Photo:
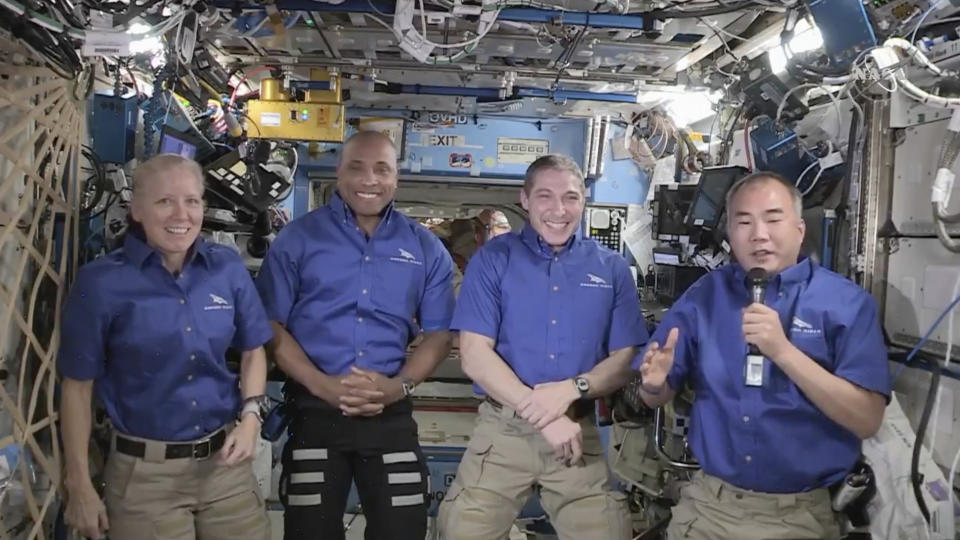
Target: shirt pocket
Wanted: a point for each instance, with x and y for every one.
(591, 311)
(812, 345)
(144, 339)
(816, 347)
(398, 288)
(217, 324)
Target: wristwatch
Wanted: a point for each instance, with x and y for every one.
(257, 405)
(583, 386)
(408, 387)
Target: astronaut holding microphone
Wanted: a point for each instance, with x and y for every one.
(789, 371)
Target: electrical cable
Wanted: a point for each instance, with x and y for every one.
(956, 457)
(833, 98)
(98, 179)
(813, 184)
(915, 478)
(693, 14)
(243, 79)
(746, 144)
(946, 365)
(913, 36)
(463, 44)
(805, 171)
(716, 32)
(926, 336)
(247, 116)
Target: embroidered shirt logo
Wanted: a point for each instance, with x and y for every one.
(596, 282)
(595, 279)
(217, 303)
(803, 327)
(406, 257)
(799, 323)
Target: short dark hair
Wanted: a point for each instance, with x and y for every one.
(556, 162)
(361, 136)
(766, 176)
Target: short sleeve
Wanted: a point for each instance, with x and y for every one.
(84, 329)
(252, 325)
(478, 306)
(279, 278)
(437, 304)
(860, 352)
(627, 328)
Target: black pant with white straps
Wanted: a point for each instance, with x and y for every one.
(327, 451)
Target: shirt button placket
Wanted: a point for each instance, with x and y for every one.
(555, 305)
(364, 303)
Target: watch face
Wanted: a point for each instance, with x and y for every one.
(582, 384)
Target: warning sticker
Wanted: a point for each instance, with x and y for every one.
(521, 151)
(270, 119)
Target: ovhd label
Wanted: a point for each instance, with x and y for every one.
(446, 118)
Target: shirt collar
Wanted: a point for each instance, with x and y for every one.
(138, 251)
(535, 242)
(342, 211)
(798, 273)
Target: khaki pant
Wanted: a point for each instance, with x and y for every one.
(182, 499)
(505, 459)
(710, 508)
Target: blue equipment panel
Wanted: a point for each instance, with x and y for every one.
(114, 127)
(845, 28)
(470, 146)
(779, 150)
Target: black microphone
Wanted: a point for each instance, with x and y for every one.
(756, 282)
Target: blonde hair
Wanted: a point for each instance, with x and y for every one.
(163, 163)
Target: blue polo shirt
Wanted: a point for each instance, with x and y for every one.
(553, 315)
(155, 344)
(772, 438)
(349, 300)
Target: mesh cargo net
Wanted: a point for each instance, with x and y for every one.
(41, 126)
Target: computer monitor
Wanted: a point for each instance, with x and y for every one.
(666, 256)
(672, 281)
(673, 204)
(173, 142)
(710, 197)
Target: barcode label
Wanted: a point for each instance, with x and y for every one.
(106, 44)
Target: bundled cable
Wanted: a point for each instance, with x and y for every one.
(56, 49)
(720, 9)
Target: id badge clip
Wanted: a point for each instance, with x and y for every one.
(753, 370)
